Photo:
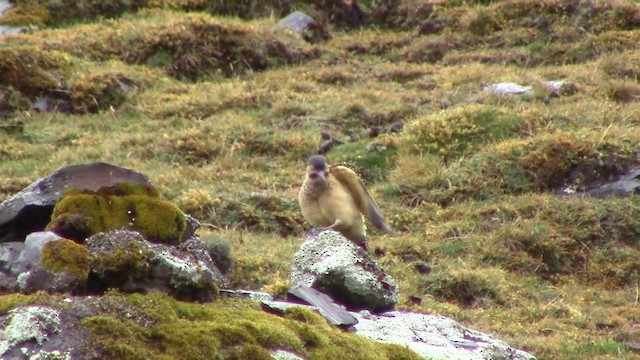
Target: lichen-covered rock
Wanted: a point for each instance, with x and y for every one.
(80, 214)
(119, 259)
(23, 327)
(30, 210)
(9, 252)
(304, 25)
(434, 337)
(126, 260)
(334, 265)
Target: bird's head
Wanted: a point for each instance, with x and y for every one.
(317, 170)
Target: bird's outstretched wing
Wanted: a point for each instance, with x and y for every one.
(361, 196)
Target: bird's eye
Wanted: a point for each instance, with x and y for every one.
(313, 176)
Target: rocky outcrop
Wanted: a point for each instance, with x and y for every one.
(125, 260)
(337, 267)
(431, 336)
(109, 229)
(30, 210)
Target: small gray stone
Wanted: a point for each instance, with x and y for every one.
(296, 21)
(30, 256)
(9, 252)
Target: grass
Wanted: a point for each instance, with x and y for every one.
(221, 114)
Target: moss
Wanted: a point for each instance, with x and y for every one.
(225, 329)
(66, 256)
(82, 214)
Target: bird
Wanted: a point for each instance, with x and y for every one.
(334, 198)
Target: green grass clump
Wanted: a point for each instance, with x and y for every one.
(450, 134)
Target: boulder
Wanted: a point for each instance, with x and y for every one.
(30, 210)
(303, 24)
(434, 337)
(330, 263)
(125, 260)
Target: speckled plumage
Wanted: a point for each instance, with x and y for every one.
(334, 197)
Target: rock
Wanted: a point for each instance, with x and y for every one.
(28, 331)
(508, 88)
(30, 256)
(625, 184)
(422, 267)
(48, 263)
(125, 260)
(285, 355)
(334, 313)
(431, 336)
(434, 337)
(9, 252)
(246, 294)
(560, 87)
(30, 210)
(8, 284)
(304, 25)
(337, 267)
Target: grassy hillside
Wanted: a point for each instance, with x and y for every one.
(221, 109)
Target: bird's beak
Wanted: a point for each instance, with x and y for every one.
(314, 175)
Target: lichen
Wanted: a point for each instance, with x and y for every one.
(66, 256)
(29, 323)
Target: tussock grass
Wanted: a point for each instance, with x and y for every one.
(222, 113)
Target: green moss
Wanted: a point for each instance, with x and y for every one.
(226, 329)
(66, 256)
(82, 214)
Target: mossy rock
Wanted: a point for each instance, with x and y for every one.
(66, 256)
(115, 266)
(80, 214)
